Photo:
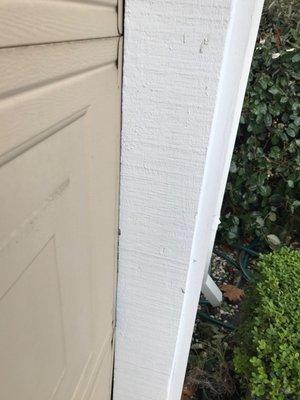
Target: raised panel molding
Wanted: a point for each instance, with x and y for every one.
(36, 139)
(45, 64)
(59, 166)
(27, 22)
(40, 312)
(55, 74)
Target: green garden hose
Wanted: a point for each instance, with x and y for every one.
(246, 252)
(214, 321)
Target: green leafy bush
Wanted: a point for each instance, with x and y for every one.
(268, 356)
(263, 189)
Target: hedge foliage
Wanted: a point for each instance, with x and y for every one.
(268, 356)
(263, 189)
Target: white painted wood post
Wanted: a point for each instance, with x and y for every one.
(185, 71)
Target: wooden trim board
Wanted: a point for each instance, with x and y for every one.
(185, 73)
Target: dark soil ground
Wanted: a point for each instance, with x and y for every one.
(210, 374)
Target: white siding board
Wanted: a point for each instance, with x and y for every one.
(237, 56)
(171, 70)
(173, 56)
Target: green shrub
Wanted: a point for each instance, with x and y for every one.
(268, 356)
(262, 193)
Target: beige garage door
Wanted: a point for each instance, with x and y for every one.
(59, 161)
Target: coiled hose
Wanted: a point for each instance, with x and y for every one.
(242, 264)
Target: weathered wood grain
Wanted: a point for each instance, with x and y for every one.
(185, 72)
(173, 56)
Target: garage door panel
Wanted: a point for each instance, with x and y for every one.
(97, 366)
(25, 22)
(32, 331)
(103, 379)
(62, 221)
(29, 67)
(59, 163)
(21, 245)
(52, 99)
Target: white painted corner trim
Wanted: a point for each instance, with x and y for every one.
(186, 64)
(238, 52)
